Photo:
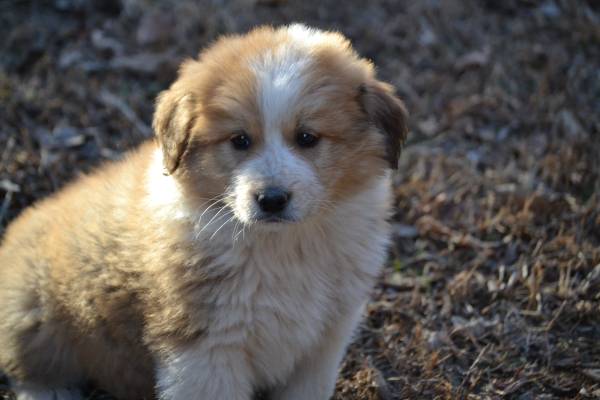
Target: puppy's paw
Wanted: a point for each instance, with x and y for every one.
(31, 392)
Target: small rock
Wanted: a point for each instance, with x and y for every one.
(154, 27)
(429, 126)
(69, 57)
(405, 231)
(9, 186)
(549, 9)
(103, 42)
(569, 125)
(66, 136)
(142, 62)
(62, 136)
(474, 59)
(427, 36)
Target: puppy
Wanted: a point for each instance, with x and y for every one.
(233, 255)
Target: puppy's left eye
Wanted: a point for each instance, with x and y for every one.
(240, 141)
(306, 139)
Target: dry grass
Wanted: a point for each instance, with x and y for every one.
(493, 286)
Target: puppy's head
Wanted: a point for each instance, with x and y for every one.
(279, 124)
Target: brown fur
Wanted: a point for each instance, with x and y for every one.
(70, 285)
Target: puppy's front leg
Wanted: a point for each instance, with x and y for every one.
(314, 377)
(196, 373)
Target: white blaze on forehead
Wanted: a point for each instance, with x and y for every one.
(281, 75)
(280, 80)
(303, 35)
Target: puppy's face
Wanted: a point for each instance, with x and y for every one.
(279, 124)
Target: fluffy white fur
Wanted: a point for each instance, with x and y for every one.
(281, 79)
(286, 319)
(31, 392)
(164, 194)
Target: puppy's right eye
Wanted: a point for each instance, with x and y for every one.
(240, 141)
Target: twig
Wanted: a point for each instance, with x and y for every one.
(116, 102)
(593, 374)
(5, 204)
(472, 367)
(558, 312)
(383, 388)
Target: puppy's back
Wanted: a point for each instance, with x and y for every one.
(64, 282)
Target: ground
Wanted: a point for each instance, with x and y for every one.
(492, 289)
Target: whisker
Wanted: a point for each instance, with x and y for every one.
(219, 228)
(220, 195)
(213, 218)
(214, 221)
(235, 232)
(241, 232)
(214, 203)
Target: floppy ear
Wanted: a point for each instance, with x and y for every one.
(172, 122)
(388, 113)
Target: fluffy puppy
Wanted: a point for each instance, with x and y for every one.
(234, 254)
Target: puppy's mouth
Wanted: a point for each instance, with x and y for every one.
(275, 219)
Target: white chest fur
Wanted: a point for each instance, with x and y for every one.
(289, 287)
(279, 291)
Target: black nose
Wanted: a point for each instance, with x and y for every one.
(272, 199)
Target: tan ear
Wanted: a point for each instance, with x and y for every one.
(172, 122)
(388, 113)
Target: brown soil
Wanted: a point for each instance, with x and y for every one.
(493, 284)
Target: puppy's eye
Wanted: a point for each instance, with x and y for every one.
(240, 141)
(306, 139)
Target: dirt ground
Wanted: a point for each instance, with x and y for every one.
(493, 284)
